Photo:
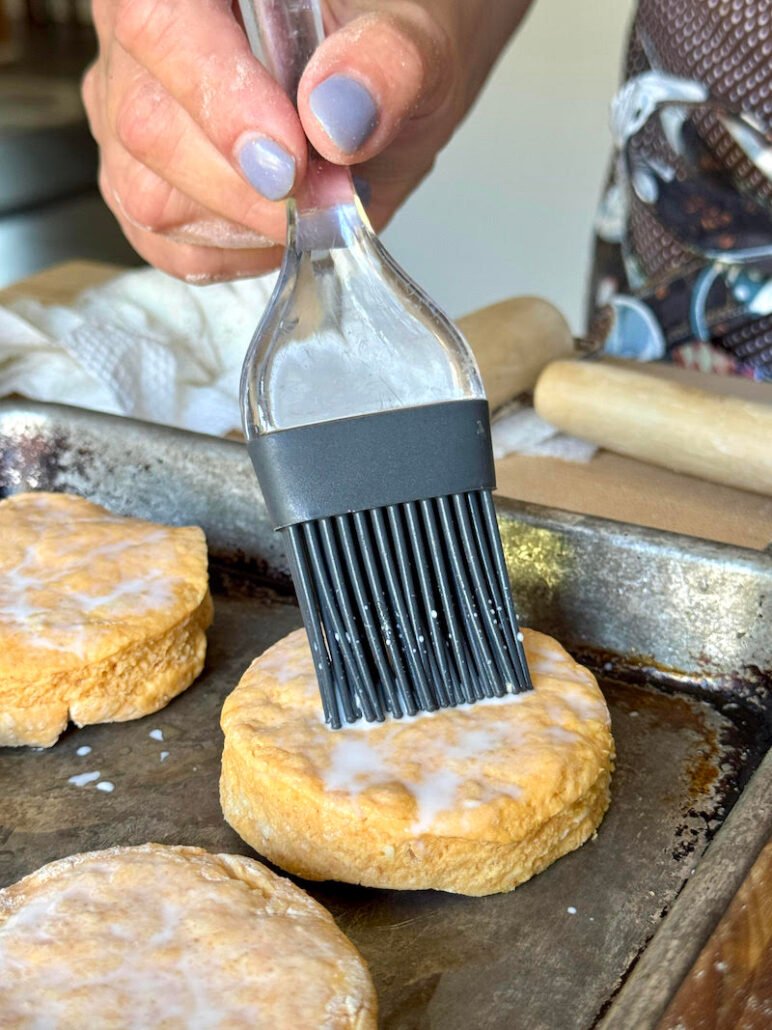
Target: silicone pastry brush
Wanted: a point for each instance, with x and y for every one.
(368, 428)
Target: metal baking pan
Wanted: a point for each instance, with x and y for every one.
(677, 629)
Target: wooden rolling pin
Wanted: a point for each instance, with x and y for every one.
(723, 439)
(513, 341)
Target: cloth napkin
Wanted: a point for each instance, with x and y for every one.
(154, 348)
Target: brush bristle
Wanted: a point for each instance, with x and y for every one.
(407, 608)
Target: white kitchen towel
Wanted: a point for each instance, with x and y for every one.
(144, 344)
(519, 430)
(152, 347)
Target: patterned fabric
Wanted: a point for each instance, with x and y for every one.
(684, 257)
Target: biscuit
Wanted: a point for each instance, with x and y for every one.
(473, 800)
(102, 617)
(174, 937)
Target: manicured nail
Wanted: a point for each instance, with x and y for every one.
(269, 167)
(345, 110)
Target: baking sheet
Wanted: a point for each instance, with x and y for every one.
(688, 710)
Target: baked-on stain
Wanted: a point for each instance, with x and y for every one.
(674, 712)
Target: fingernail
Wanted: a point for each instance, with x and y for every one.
(268, 166)
(345, 110)
(363, 188)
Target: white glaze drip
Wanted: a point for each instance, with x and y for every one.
(83, 779)
(42, 597)
(178, 993)
(453, 761)
(214, 952)
(360, 760)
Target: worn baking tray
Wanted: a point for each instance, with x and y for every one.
(677, 629)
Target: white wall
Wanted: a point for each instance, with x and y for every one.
(508, 208)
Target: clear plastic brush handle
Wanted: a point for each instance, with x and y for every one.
(346, 332)
(283, 35)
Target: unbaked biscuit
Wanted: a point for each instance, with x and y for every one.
(472, 800)
(102, 617)
(174, 937)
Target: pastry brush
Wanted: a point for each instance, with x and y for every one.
(368, 427)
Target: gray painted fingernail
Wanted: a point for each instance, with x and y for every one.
(268, 166)
(345, 110)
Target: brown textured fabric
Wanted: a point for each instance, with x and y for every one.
(668, 250)
(727, 45)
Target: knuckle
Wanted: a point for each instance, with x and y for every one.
(141, 119)
(268, 219)
(144, 208)
(434, 51)
(88, 91)
(103, 15)
(108, 195)
(141, 24)
(88, 82)
(137, 197)
(138, 213)
(130, 22)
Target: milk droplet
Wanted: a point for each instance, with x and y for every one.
(106, 786)
(156, 734)
(571, 910)
(164, 755)
(82, 779)
(84, 749)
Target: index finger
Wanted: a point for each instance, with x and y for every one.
(201, 56)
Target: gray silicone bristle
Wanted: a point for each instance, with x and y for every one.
(407, 607)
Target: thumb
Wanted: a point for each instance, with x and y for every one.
(369, 77)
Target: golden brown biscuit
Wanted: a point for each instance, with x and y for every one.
(174, 937)
(102, 618)
(473, 800)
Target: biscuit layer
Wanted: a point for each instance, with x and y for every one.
(174, 937)
(102, 617)
(473, 800)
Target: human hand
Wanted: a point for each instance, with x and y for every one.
(199, 145)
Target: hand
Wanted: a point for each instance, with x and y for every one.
(199, 145)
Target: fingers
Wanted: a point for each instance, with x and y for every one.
(201, 58)
(151, 126)
(195, 251)
(200, 266)
(156, 209)
(199, 144)
(174, 233)
(369, 77)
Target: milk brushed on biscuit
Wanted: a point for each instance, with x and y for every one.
(102, 617)
(473, 800)
(174, 937)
